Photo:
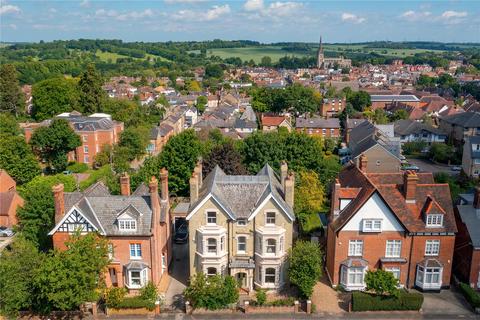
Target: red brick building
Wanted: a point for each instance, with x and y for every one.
(400, 222)
(10, 200)
(272, 123)
(466, 260)
(136, 225)
(95, 131)
(316, 126)
(332, 107)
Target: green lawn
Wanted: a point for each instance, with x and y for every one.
(105, 56)
(312, 223)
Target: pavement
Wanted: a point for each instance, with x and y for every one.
(178, 278)
(446, 302)
(429, 166)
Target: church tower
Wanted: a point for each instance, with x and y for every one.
(320, 56)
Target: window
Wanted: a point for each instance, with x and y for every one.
(241, 244)
(372, 225)
(281, 244)
(127, 225)
(394, 248)
(271, 245)
(434, 220)
(86, 159)
(377, 162)
(259, 244)
(211, 217)
(270, 275)
(270, 218)
(355, 276)
(135, 279)
(355, 248)
(84, 138)
(135, 251)
(85, 149)
(241, 222)
(432, 247)
(110, 251)
(395, 271)
(222, 244)
(212, 245)
(429, 277)
(211, 271)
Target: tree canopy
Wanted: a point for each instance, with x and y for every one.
(11, 96)
(92, 95)
(305, 267)
(54, 96)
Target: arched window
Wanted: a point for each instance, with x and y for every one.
(211, 271)
(212, 245)
(270, 275)
(271, 245)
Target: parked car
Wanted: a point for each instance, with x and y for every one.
(181, 235)
(411, 168)
(6, 232)
(456, 168)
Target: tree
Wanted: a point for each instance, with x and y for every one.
(213, 71)
(400, 114)
(18, 266)
(53, 142)
(8, 125)
(214, 292)
(36, 217)
(135, 140)
(11, 96)
(359, 100)
(305, 266)
(266, 61)
(381, 282)
(227, 157)
(441, 152)
(54, 96)
(380, 116)
(92, 95)
(201, 103)
(309, 194)
(194, 86)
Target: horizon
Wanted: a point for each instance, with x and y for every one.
(266, 21)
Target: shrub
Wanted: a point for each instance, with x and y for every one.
(470, 294)
(305, 266)
(381, 282)
(114, 296)
(77, 167)
(149, 292)
(362, 301)
(212, 293)
(287, 302)
(135, 303)
(261, 296)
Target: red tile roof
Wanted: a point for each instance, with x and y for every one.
(273, 120)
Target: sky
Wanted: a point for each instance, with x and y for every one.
(261, 20)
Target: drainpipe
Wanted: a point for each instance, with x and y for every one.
(409, 261)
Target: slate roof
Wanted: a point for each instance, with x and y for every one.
(389, 186)
(408, 127)
(471, 218)
(473, 140)
(240, 195)
(394, 97)
(317, 122)
(464, 119)
(82, 123)
(365, 135)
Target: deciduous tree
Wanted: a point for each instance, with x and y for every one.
(54, 96)
(11, 96)
(305, 266)
(227, 157)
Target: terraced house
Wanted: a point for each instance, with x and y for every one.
(399, 222)
(242, 225)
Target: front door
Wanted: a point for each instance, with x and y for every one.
(113, 276)
(242, 280)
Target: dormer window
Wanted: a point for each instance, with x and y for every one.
(127, 225)
(372, 225)
(434, 220)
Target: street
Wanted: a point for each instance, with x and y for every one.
(429, 166)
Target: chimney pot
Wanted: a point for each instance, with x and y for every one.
(283, 172)
(58, 197)
(125, 184)
(476, 198)
(198, 170)
(363, 162)
(410, 181)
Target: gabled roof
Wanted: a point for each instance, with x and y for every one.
(317, 122)
(6, 182)
(240, 196)
(407, 127)
(273, 120)
(464, 119)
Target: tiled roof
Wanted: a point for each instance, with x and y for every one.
(464, 119)
(393, 97)
(317, 122)
(273, 120)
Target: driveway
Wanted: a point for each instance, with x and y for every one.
(429, 166)
(179, 276)
(446, 302)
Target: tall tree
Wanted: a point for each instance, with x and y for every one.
(309, 194)
(54, 96)
(92, 96)
(11, 96)
(305, 266)
(227, 157)
(54, 142)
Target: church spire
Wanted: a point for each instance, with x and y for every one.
(320, 48)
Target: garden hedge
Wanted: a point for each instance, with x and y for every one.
(135, 303)
(470, 294)
(362, 301)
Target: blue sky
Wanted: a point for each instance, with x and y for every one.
(261, 20)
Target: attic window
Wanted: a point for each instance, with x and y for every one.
(127, 225)
(434, 220)
(372, 225)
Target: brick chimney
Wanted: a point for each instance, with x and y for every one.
(164, 183)
(410, 181)
(289, 189)
(335, 205)
(125, 184)
(153, 186)
(476, 198)
(283, 172)
(362, 163)
(58, 197)
(198, 170)
(193, 188)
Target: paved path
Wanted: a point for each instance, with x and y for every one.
(326, 299)
(179, 276)
(447, 302)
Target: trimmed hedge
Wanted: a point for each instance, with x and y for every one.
(135, 303)
(470, 294)
(362, 301)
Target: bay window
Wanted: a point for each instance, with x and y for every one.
(271, 246)
(270, 275)
(429, 277)
(212, 245)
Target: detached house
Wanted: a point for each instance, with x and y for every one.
(136, 225)
(242, 226)
(399, 222)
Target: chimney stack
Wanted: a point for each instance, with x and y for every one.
(410, 180)
(193, 188)
(335, 205)
(125, 184)
(198, 170)
(363, 162)
(164, 183)
(153, 186)
(58, 197)
(283, 172)
(289, 189)
(476, 198)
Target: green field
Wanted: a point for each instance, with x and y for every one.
(105, 56)
(276, 52)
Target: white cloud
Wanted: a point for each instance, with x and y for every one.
(253, 5)
(52, 10)
(106, 13)
(350, 17)
(8, 8)
(13, 26)
(281, 9)
(217, 12)
(212, 14)
(411, 15)
(85, 4)
(183, 1)
(134, 15)
(454, 14)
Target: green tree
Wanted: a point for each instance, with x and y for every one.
(305, 266)
(8, 125)
(381, 282)
(309, 194)
(18, 266)
(380, 116)
(214, 292)
(359, 100)
(201, 103)
(399, 115)
(136, 140)
(194, 86)
(54, 96)
(53, 143)
(11, 96)
(441, 152)
(266, 61)
(213, 71)
(36, 218)
(92, 96)
(227, 157)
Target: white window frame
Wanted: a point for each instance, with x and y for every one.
(243, 243)
(426, 275)
(395, 271)
(127, 225)
(432, 247)
(372, 225)
(111, 251)
(136, 249)
(207, 249)
(86, 159)
(241, 222)
(222, 243)
(209, 219)
(434, 220)
(143, 277)
(280, 244)
(269, 246)
(355, 248)
(270, 275)
(354, 273)
(395, 249)
(268, 219)
(209, 274)
(85, 149)
(84, 138)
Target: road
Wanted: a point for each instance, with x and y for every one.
(428, 166)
